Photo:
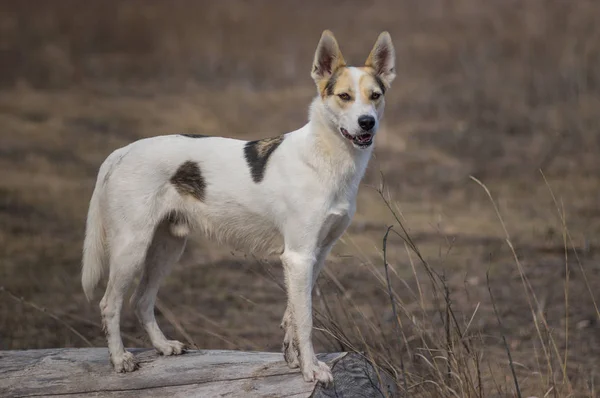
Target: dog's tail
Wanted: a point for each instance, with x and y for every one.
(94, 246)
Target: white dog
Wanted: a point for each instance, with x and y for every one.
(293, 195)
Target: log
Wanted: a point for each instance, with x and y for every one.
(85, 372)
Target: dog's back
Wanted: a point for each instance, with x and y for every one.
(227, 189)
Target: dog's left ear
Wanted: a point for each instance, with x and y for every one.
(383, 59)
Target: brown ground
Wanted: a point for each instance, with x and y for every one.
(497, 90)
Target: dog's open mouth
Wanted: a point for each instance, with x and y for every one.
(362, 140)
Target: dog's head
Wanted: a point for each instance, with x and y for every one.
(353, 97)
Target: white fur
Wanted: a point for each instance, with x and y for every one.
(302, 206)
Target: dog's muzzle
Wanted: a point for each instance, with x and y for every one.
(361, 140)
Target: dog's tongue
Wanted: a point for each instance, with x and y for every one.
(364, 137)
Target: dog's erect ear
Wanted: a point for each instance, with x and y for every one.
(383, 58)
(328, 57)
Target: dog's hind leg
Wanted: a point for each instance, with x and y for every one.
(165, 250)
(128, 251)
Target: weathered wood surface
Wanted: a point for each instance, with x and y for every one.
(86, 372)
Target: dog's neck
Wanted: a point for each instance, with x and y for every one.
(329, 147)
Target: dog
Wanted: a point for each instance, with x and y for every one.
(293, 195)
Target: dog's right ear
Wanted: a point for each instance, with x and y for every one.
(328, 58)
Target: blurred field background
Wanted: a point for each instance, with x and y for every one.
(505, 91)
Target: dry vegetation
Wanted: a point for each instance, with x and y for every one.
(505, 91)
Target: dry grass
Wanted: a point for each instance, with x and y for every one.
(497, 90)
(435, 344)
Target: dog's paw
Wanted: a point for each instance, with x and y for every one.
(170, 347)
(125, 362)
(290, 352)
(317, 371)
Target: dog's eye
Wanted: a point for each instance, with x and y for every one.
(375, 96)
(345, 96)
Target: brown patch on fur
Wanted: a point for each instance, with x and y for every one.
(193, 135)
(327, 86)
(344, 82)
(371, 72)
(189, 181)
(257, 154)
(340, 82)
(368, 84)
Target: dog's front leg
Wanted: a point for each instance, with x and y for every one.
(290, 343)
(298, 267)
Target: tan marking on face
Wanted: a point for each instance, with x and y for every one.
(368, 85)
(340, 83)
(367, 69)
(380, 82)
(322, 85)
(327, 86)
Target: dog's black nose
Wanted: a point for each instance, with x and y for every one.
(366, 122)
